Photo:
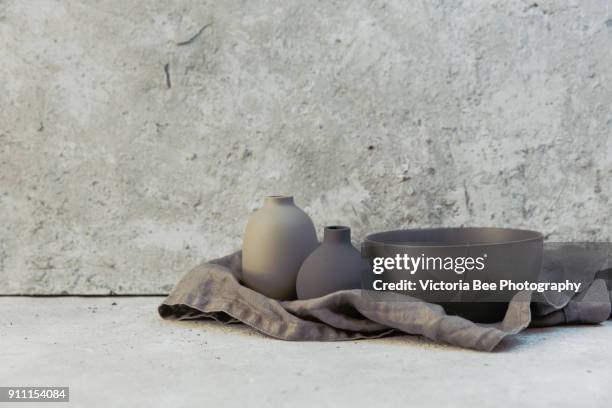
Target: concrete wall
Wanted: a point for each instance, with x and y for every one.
(136, 136)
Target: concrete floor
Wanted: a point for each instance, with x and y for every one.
(118, 352)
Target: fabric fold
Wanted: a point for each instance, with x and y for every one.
(212, 290)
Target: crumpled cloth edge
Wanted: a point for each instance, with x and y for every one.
(200, 294)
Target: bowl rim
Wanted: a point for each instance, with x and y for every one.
(534, 236)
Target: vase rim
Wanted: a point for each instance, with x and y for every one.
(278, 199)
(337, 233)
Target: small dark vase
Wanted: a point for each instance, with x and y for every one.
(335, 265)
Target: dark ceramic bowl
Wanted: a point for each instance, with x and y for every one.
(510, 254)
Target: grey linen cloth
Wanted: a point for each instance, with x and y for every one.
(212, 290)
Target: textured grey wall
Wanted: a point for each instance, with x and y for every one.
(136, 137)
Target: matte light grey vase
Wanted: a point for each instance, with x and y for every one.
(278, 237)
(335, 265)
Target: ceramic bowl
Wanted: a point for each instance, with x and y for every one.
(512, 254)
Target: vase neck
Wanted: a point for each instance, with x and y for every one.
(278, 200)
(337, 234)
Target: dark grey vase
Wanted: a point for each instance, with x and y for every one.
(335, 265)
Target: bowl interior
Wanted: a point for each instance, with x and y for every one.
(453, 236)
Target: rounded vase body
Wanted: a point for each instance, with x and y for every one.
(278, 237)
(335, 265)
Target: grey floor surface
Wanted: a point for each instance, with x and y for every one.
(117, 352)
